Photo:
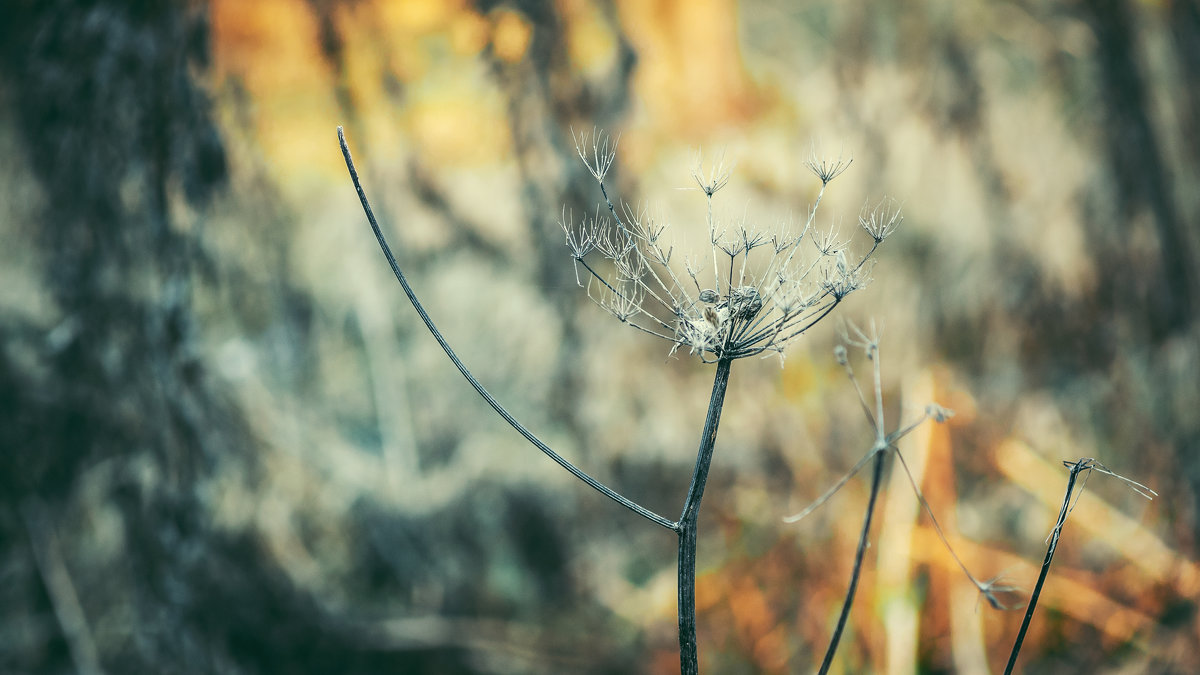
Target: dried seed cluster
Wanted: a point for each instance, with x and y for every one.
(763, 288)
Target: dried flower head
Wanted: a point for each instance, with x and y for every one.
(824, 168)
(755, 290)
(882, 219)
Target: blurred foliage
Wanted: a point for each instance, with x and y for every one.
(226, 445)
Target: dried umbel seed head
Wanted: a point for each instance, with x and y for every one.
(744, 302)
(729, 306)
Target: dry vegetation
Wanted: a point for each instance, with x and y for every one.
(226, 444)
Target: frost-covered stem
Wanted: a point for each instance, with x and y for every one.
(876, 481)
(689, 663)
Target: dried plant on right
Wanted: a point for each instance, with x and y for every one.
(1083, 466)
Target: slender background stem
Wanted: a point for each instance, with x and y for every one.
(1037, 589)
(689, 663)
(876, 481)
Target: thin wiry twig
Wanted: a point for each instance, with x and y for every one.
(1085, 466)
(820, 501)
(479, 388)
(870, 345)
(988, 589)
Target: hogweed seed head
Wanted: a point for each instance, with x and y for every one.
(581, 238)
(753, 292)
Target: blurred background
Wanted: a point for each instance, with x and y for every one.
(228, 446)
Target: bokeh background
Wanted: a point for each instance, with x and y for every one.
(228, 446)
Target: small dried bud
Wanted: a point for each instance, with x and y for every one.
(708, 295)
(937, 413)
(744, 302)
(710, 315)
(839, 353)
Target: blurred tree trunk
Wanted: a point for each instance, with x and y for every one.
(102, 97)
(1138, 165)
(111, 395)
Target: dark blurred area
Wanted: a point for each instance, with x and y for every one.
(227, 446)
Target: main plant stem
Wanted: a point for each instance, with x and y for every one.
(689, 663)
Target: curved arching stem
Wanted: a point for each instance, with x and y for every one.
(491, 401)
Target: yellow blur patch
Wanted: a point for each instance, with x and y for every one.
(511, 34)
(799, 379)
(271, 44)
(690, 77)
(591, 45)
(468, 34)
(457, 129)
(416, 16)
(272, 49)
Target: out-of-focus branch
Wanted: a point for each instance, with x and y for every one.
(47, 554)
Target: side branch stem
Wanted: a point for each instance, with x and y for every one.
(500, 410)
